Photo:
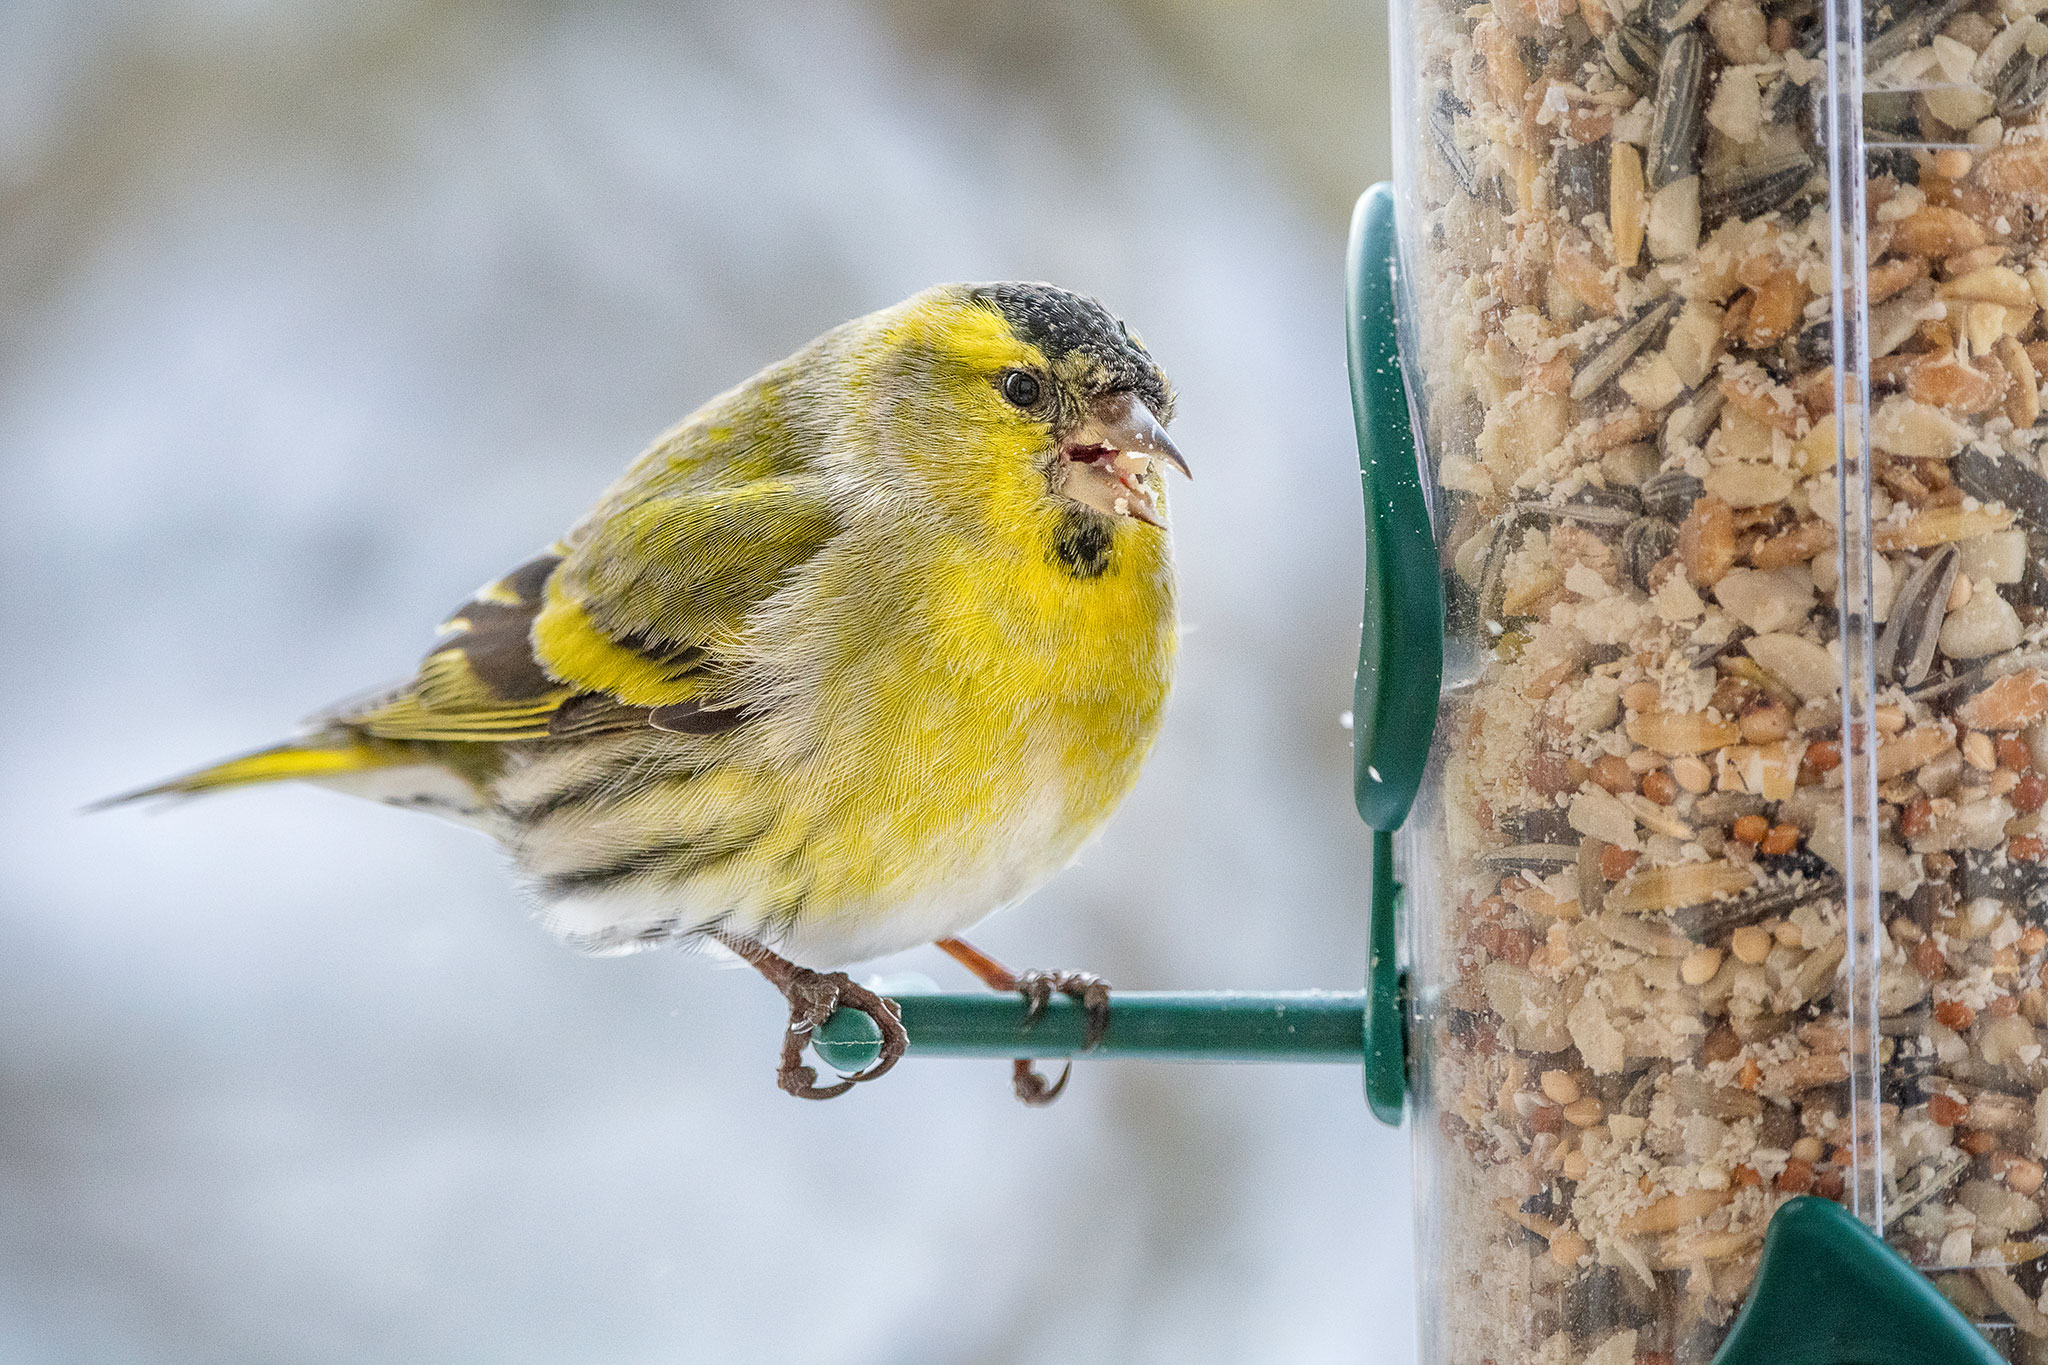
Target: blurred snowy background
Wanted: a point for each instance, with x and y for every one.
(314, 317)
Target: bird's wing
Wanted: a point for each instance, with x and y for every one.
(628, 626)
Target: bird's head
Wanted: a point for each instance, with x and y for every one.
(1023, 403)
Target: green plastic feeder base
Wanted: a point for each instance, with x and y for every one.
(1829, 1292)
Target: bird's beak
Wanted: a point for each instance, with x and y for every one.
(1107, 461)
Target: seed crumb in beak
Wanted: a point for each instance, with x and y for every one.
(1106, 462)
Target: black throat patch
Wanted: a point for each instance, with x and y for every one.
(1081, 542)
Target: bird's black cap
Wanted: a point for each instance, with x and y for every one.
(1060, 322)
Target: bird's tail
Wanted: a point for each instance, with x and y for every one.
(314, 758)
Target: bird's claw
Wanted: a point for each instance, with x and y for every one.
(1090, 990)
(1029, 1082)
(813, 996)
(1038, 988)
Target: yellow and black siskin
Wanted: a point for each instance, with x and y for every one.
(861, 651)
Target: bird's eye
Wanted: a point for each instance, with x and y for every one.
(1021, 387)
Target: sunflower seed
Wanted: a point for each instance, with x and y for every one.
(1634, 54)
(1908, 1024)
(1492, 591)
(1919, 23)
(1700, 655)
(1786, 101)
(2022, 84)
(1607, 510)
(1443, 137)
(1896, 162)
(1604, 365)
(1580, 178)
(1725, 808)
(1690, 422)
(1538, 825)
(1889, 116)
(1546, 858)
(2008, 481)
(1905, 651)
(1991, 873)
(1644, 545)
(1593, 501)
(1604, 509)
(1800, 861)
(1670, 494)
(1980, 675)
(1697, 1094)
(1753, 191)
(1914, 1061)
(1712, 920)
(1669, 16)
(1816, 343)
(2032, 589)
(1675, 125)
(2005, 1337)
(1927, 1181)
(1806, 19)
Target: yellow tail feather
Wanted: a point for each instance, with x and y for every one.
(281, 763)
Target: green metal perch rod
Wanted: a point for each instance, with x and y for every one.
(1160, 1026)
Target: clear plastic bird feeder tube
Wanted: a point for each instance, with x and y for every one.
(1702, 706)
(1720, 320)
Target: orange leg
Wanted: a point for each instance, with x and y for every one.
(990, 972)
(1037, 989)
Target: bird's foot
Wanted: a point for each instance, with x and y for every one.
(1086, 988)
(1038, 989)
(813, 996)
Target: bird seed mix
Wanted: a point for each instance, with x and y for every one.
(1633, 1005)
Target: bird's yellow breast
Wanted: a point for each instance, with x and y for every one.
(947, 730)
(987, 714)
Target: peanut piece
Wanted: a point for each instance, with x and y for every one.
(1706, 541)
(2023, 398)
(2012, 703)
(1932, 230)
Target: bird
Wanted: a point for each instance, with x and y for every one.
(864, 649)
